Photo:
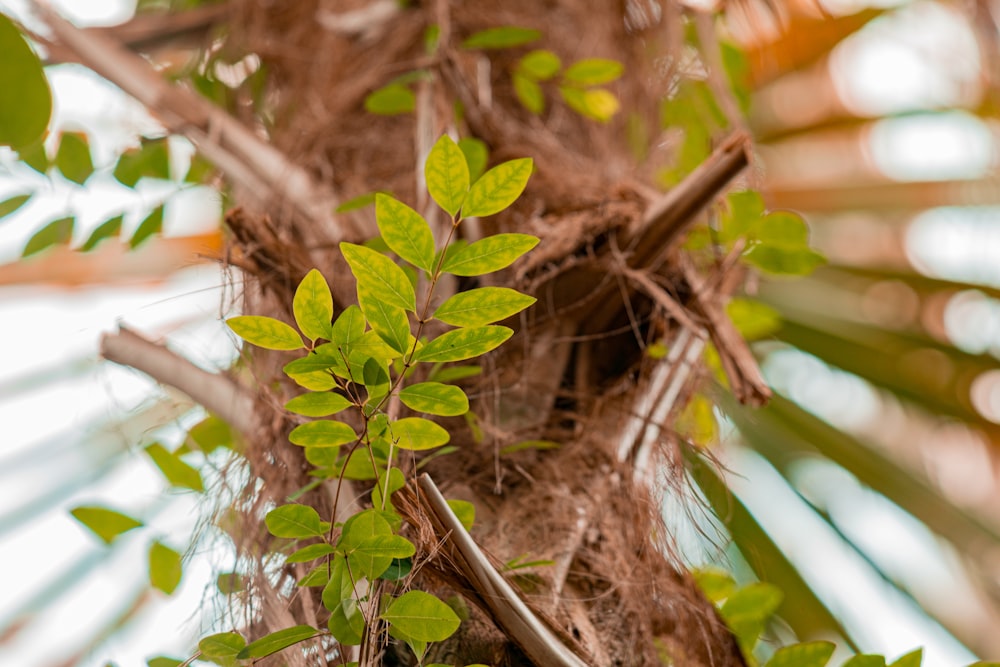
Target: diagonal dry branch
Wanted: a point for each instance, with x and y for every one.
(260, 171)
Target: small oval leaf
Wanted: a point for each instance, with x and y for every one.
(73, 157)
(27, 101)
(265, 332)
(422, 616)
(312, 306)
(463, 343)
(276, 641)
(106, 524)
(165, 569)
(391, 100)
(10, 205)
(405, 231)
(540, 65)
(483, 305)
(593, 72)
(107, 229)
(294, 521)
(385, 280)
(503, 37)
(489, 254)
(311, 552)
(222, 645)
(498, 188)
(318, 404)
(176, 471)
(322, 433)
(435, 398)
(447, 175)
(416, 434)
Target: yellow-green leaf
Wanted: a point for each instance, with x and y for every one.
(464, 511)
(57, 232)
(865, 660)
(265, 332)
(593, 72)
(388, 321)
(312, 306)
(318, 404)
(503, 37)
(435, 398)
(421, 616)
(489, 254)
(322, 433)
(498, 188)
(911, 659)
(27, 102)
(276, 641)
(222, 645)
(311, 552)
(385, 280)
(73, 157)
(391, 100)
(529, 93)
(417, 434)
(165, 569)
(10, 205)
(596, 103)
(404, 230)
(349, 327)
(106, 524)
(294, 521)
(807, 654)
(346, 623)
(476, 156)
(447, 175)
(540, 65)
(483, 305)
(177, 472)
(463, 343)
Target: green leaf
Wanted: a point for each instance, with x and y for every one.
(465, 511)
(276, 641)
(380, 275)
(265, 332)
(783, 229)
(312, 306)
(807, 654)
(349, 326)
(405, 231)
(447, 175)
(398, 569)
(395, 483)
(177, 472)
(163, 661)
(57, 232)
(435, 398)
(501, 38)
(222, 645)
(373, 555)
(716, 583)
(311, 552)
(748, 610)
(489, 254)
(322, 433)
(454, 373)
(388, 321)
(318, 576)
(422, 616)
(35, 156)
(540, 65)
(318, 404)
(164, 568)
(753, 319)
(529, 93)
(106, 524)
(865, 660)
(229, 583)
(315, 381)
(8, 206)
(498, 188)
(211, 433)
(27, 101)
(346, 623)
(593, 72)
(595, 103)
(483, 305)
(463, 343)
(476, 156)
(294, 521)
(391, 100)
(106, 229)
(784, 261)
(152, 224)
(355, 203)
(523, 445)
(417, 434)
(911, 659)
(73, 157)
(151, 159)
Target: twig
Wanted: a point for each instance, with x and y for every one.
(215, 392)
(509, 611)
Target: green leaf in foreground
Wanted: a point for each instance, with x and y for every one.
(808, 654)
(222, 645)
(107, 229)
(748, 610)
(311, 552)
(489, 254)
(73, 157)
(435, 398)
(164, 568)
(11, 204)
(405, 231)
(294, 521)
(387, 320)
(164, 661)
(463, 343)
(27, 101)
(447, 176)
(503, 37)
(57, 232)
(483, 305)
(865, 660)
(911, 659)
(385, 280)
(106, 524)
(276, 641)
(265, 332)
(318, 404)
(312, 306)
(323, 433)
(422, 616)
(176, 471)
(417, 434)
(498, 188)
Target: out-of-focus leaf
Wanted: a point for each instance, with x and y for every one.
(105, 523)
(57, 232)
(504, 37)
(165, 568)
(73, 157)
(26, 104)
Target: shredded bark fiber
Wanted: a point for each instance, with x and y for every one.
(615, 591)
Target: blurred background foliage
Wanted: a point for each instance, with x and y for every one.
(866, 491)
